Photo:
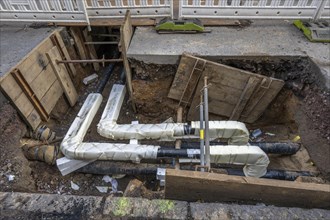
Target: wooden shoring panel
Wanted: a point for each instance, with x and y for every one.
(62, 75)
(126, 34)
(38, 74)
(234, 93)
(212, 187)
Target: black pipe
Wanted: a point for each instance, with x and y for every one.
(274, 174)
(107, 72)
(111, 167)
(116, 167)
(277, 148)
(267, 147)
(122, 78)
(181, 153)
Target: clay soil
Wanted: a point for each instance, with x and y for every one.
(304, 113)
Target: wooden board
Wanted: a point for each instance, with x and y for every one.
(211, 187)
(79, 43)
(66, 54)
(91, 49)
(233, 93)
(40, 76)
(126, 33)
(62, 75)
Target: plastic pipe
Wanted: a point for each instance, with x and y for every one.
(235, 132)
(106, 75)
(110, 167)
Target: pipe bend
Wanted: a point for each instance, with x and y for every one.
(254, 159)
(235, 132)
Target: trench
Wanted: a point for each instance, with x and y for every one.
(300, 109)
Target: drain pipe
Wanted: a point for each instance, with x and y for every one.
(235, 132)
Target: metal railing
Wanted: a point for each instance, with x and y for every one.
(43, 10)
(83, 10)
(255, 9)
(138, 8)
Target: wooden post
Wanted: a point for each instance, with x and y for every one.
(126, 33)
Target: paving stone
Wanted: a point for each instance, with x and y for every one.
(253, 212)
(143, 208)
(43, 205)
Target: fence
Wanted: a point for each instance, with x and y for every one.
(85, 10)
(255, 9)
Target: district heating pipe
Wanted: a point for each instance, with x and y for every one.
(235, 132)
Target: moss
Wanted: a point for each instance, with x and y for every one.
(122, 207)
(165, 206)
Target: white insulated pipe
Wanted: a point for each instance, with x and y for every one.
(234, 131)
(255, 161)
(73, 146)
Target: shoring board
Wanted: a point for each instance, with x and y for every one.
(212, 187)
(233, 92)
(62, 75)
(38, 73)
(126, 34)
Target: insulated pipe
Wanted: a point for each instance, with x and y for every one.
(73, 147)
(235, 132)
(267, 147)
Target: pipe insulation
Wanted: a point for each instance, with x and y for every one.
(255, 161)
(235, 132)
(73, 146)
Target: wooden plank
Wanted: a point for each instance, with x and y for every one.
(91, 49)
(34, 119)
(11, 88)
(77, 36)
(51, 97)
(43, 82)
(126, 33)
(245, 96)
(193, 80)
(233, 93)
(30, 94)
(181, 78)
(259, 101)
(62, 76)
(64, 52)
(211, 187)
